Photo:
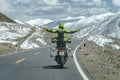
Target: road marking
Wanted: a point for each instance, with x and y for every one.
(46, 46)
(77, 64)
(20, 60)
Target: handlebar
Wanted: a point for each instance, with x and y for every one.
(55, 41)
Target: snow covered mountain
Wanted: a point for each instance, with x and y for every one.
(22, 36)
(38, 22)
(97, 28)
(69, 21)
(18, 21)
(106, 24)
(100, 29)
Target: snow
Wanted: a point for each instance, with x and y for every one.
(104, 15)
(9, 35)
(10, 32)
(13, 43)
(28, 45)
(42, 41)
(3, 28)
(100, 40)
(68, 24)
(99, 24)
(38, 22)
(115, 46)
(20, 22)
(96, 18)
(69, 18)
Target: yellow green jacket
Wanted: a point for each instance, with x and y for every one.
(61, 33)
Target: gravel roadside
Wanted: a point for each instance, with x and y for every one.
(103, 64)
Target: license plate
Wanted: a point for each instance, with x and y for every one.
(61, 53)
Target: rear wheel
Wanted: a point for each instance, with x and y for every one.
(61, 65)
(62, 61)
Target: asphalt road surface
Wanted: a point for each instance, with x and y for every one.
(36, 64)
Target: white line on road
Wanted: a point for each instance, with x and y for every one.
(21, 60)
(78, 65)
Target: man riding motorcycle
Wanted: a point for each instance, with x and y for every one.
(61, 35)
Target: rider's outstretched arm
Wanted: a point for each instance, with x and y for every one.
(68, 31)
(50, 30)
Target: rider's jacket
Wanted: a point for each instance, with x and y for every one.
(61, 33)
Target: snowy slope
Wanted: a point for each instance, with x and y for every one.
(104, 41)
(34, 41)
(18, 21)
(9, 32)
(68, 22)
(105, 24)
(99, 27)
(23, 35)
(38, 22)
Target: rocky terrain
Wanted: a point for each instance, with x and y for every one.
(16, 37)
(102, 62)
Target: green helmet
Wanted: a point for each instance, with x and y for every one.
(61, 26)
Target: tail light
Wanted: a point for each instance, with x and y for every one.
(62, 48)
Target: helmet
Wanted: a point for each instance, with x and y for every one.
(61, 26)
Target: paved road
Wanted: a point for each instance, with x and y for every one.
(37, 64)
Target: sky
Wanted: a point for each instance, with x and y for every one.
(25, 10)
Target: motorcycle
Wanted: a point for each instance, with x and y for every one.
(62, 53)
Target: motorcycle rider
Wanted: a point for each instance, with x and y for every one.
(61, 35)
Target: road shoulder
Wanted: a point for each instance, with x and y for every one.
(103, 65)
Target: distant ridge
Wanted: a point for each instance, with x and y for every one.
(4, 18)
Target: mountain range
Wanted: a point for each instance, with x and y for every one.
(30, 36)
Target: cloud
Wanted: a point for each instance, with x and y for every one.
(88, 11)
(97, 2)
(51, 2)
(4, 5)
(31, 9)
(95, 11)
(116, 3)
(24, 1)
